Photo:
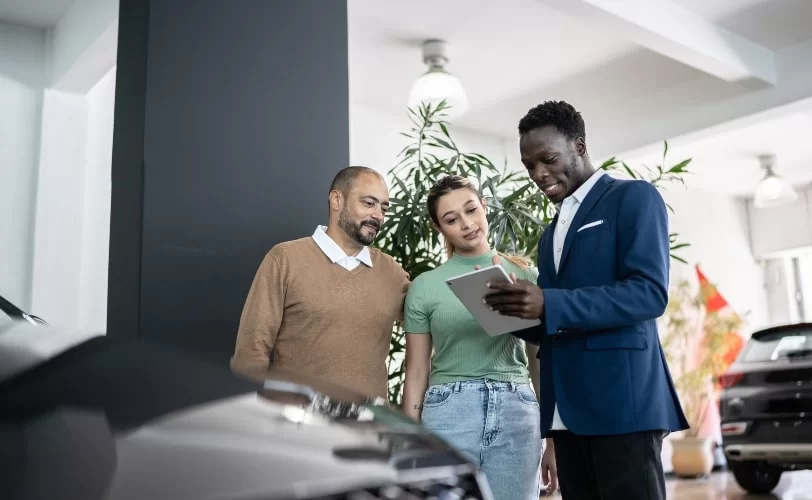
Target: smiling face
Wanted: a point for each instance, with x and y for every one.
(556, 164)
(462, 220)
(364, 207)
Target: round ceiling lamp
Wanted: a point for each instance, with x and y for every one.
(437, 84)
(772, 191)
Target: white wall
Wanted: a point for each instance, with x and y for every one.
(83, 47)
(58, 219)
(785, 229)
(73, 207)
(22, 78)
(96, 223)
(717, 228)
(56, 124)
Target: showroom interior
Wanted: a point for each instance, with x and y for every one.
(152, 152)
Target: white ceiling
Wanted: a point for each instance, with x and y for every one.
(726, 161)
(42, 14)
(514, 54)
(493, 48)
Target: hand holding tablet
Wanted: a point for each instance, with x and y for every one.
(471, 288)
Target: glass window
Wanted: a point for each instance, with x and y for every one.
(778, 345)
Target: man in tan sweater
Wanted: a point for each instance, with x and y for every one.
(324, 305)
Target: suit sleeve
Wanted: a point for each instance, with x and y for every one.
(641, 292)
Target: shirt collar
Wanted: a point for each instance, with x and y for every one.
(334, 252)
(580, 194)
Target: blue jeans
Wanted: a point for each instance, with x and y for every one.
(496, 425)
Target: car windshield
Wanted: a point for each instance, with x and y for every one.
(786, 344)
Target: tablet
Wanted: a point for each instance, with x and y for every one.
(471, 289)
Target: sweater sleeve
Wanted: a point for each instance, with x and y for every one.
(261, 316)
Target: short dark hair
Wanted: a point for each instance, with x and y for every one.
(559, 114)
(345, 178)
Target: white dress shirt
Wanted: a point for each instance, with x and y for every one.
(566, 212)
(336, 254)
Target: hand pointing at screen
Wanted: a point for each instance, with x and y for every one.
(521, 298)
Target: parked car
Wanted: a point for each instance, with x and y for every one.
(766, 407)
(94, 417)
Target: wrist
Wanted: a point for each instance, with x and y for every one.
(413, 410)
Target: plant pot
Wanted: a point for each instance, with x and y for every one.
(692, 456)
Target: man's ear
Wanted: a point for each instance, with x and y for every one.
(580, 146)
(336, 200)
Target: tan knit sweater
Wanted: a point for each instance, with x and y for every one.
(315, 317)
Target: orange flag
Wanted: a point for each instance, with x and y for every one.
(732, 345)
(714, 302)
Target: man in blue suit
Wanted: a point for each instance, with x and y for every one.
(607, 397)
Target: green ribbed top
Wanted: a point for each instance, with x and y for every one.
(462, 349)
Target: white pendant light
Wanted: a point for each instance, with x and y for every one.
(772, 191)
(437, 84)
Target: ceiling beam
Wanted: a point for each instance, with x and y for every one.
(667, 28)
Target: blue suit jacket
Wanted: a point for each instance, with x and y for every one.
(599, 350)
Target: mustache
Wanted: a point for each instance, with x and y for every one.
(372, 223)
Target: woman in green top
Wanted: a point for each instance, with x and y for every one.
(475, 390)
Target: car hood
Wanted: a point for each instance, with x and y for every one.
(287, 437)
(25, 345)
(250, 446)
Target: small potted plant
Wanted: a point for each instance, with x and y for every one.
(695, 346)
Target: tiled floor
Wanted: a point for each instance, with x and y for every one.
(722, 486)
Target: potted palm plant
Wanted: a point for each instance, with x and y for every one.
(694, 345)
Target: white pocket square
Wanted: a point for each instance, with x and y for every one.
(591, 224)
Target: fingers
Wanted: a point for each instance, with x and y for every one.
(504, 285)
(512, 296)
(511, 309)
(513, 277)
(547, 479)
(553, 482)
(497, 260)
(477, 267)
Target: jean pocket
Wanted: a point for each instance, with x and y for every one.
(526, 394)
(437, 395)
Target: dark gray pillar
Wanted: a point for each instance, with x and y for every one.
(231, 119)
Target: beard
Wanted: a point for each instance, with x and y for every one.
(353, 229)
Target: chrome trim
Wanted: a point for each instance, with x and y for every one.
(779, 453)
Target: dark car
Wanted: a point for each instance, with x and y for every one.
(94, 417)
(766, 407)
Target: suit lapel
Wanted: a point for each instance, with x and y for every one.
(545, 259)
(586, 206)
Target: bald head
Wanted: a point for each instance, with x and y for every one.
(347, 177)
